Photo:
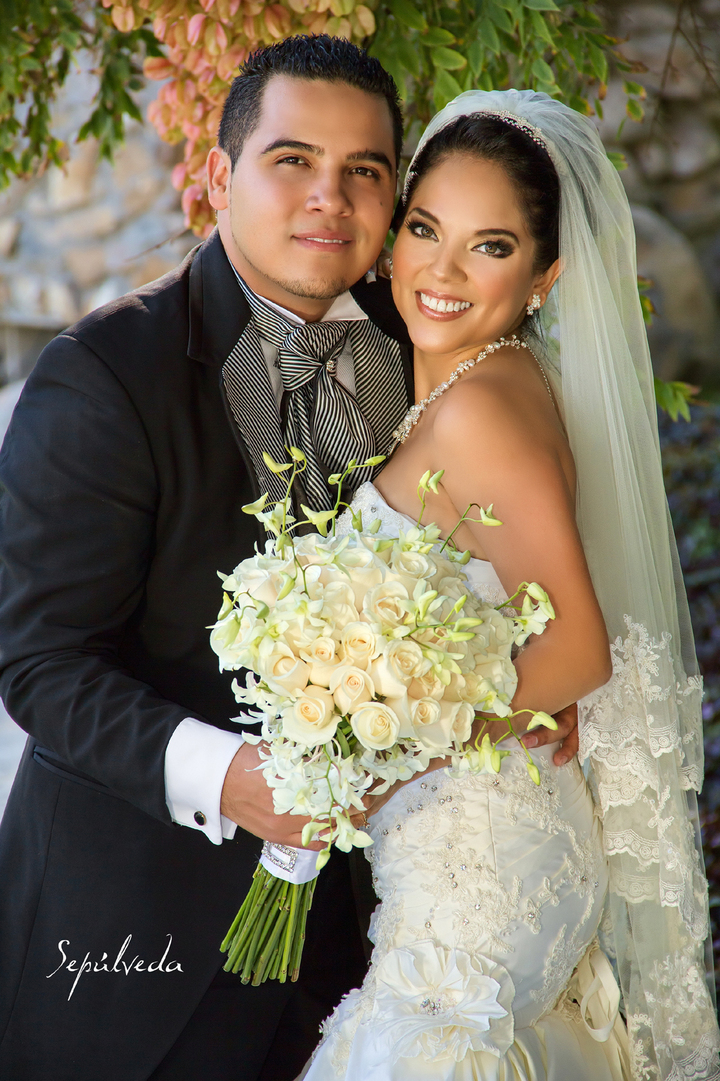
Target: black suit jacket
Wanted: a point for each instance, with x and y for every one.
(123, 476)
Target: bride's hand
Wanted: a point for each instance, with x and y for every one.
(567, 731)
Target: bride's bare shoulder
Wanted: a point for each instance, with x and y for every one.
(504, 398)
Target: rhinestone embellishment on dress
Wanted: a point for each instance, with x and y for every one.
(433, 1006)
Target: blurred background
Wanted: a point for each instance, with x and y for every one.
(78, 230)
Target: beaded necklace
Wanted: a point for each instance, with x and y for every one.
(416, 411)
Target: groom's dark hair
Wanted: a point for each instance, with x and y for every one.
(305, 56)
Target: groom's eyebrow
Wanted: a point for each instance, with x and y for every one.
(293, 144)
(375, 156)
(372, 155)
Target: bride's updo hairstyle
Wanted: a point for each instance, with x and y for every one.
(526, 164)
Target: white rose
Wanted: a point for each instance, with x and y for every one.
(323, 659)
(280, 668)
(376, 726)
(453, 587)
(311, 549)
(383, 606)
(412, 564)
(427, 686)
(498, 671)
(358, 644)
(371, 541)
(402, 707)
(439, 724)
(495, 635)
(401, 662)
(351, 688)
(455, 688)
(457, 718)
(260, 576)
(311, 719)
(406, 659)
(446, 568)
(426, 723)
(363, 568)
(470, 690)
(339, 605)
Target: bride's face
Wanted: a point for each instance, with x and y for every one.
(463, 245)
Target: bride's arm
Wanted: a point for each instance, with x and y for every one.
(496, 446)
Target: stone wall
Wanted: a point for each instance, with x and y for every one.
(74, 239)
(673, 174)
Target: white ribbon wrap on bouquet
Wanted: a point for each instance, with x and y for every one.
(296, 865)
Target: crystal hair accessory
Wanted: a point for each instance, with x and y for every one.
(505, 115)
(522, 125)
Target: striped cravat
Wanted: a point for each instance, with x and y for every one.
(328, 423)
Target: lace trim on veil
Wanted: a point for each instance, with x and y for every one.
(652, 853)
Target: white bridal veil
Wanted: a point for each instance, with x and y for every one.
(642, 732)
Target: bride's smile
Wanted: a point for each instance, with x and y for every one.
(465, 262)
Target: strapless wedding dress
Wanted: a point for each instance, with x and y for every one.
(486, 964)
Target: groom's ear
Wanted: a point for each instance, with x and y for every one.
(219, 176)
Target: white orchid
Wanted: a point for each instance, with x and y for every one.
(367, 655)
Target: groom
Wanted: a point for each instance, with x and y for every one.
(133, 826)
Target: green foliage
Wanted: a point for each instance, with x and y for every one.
(644, 284)
(38, 42)
(120, 71)
(435, 49)
(675, 398)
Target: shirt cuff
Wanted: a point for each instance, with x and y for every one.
(197, 759)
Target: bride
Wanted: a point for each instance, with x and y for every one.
(508, 909)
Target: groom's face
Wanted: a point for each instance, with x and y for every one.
(308, 205)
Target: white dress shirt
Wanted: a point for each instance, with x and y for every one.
(198, 755)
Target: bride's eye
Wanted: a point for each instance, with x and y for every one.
(420, 229)
(498, 248)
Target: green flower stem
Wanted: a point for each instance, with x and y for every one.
(252, 899)
(514, 733)
(299, 932)
(507, 603)
(265, 924)
(464, 518)
(257, 927)
(266, 938)
(274, 926)
(342, 740)
(244, 923)
(287, 942)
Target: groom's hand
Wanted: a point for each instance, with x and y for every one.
(247, 800)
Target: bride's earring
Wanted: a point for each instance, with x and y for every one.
(390, 267)
(534, 304)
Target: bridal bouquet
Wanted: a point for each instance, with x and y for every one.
(366, 656)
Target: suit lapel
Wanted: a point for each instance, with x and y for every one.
(220, 337)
